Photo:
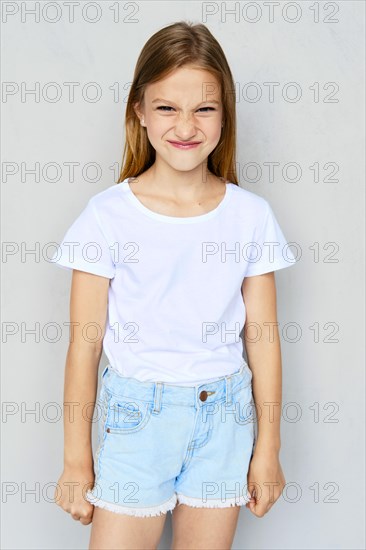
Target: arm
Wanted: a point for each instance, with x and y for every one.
(262, 343)
(88, 313)
(88, 310)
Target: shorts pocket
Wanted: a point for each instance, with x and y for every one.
(244, 405)
(127, 415)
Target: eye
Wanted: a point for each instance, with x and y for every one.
(164, 107)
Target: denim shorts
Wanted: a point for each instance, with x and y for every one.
(161, 444)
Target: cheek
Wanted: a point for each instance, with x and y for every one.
(214, 135)
(212, 130)
(157, 129)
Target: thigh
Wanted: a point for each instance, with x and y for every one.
(203, 528)
(111, 530)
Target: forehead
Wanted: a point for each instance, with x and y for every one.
(184, 85)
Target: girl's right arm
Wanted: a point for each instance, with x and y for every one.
(88, 314)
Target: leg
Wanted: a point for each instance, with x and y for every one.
(111, 530)
(202, 528)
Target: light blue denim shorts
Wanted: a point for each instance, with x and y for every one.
(161, 444)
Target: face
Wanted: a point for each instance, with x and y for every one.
(182, 115)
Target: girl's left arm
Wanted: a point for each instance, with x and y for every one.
(262, 344)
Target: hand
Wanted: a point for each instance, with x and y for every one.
(70, 493)
(265, 481)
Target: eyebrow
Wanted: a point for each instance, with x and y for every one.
(167, 101)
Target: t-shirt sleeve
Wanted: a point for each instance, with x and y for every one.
(85, 246)
(269, 250)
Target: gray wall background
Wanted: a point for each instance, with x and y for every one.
(317, 193)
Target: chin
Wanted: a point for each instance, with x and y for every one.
(183, 168)
(180, 165)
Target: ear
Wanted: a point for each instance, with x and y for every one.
(139, 113)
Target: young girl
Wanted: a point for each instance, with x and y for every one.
(168, 266)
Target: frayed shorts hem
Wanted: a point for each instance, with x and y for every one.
(130, 511)
(169, 505)
(212, 503)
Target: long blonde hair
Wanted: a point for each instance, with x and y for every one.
(179, 44)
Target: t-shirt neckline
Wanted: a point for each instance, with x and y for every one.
(176, 219)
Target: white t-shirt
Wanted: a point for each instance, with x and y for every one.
(175, 308)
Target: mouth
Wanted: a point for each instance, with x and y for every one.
(184, 144)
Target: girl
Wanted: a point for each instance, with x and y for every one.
(168, 266)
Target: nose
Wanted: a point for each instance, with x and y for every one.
(185, 128)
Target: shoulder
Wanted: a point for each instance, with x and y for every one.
(106, 205)
(244, 196)
(248, 202)
(102, 200)
(104, 208)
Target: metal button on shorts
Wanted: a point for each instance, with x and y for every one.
(203, 395)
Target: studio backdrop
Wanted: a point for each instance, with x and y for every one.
(299, 74)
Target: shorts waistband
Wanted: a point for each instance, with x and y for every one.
(164, 392)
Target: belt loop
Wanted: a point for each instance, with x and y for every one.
(158, 389)
(228, 389)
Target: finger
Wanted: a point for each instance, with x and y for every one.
(256, 509)
(251, 506)
(85, 517)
